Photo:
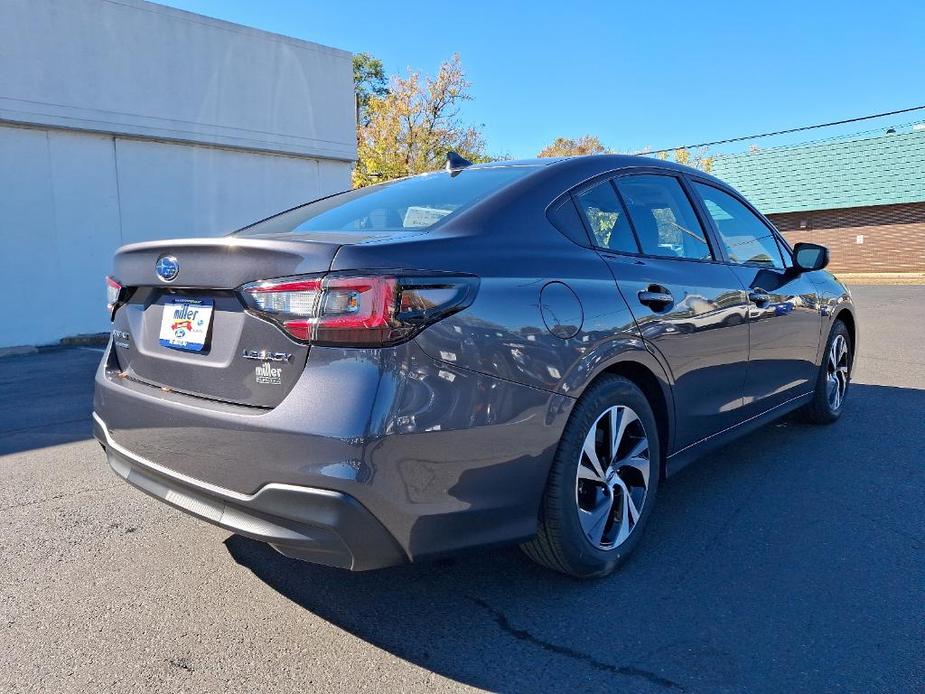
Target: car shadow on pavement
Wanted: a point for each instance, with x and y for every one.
(46, 398)
(756, 573)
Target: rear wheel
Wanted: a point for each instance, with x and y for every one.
(833, 378)
(602, 484)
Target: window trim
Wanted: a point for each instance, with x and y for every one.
(582, 215)
(735, 195)
(786, 252)
(686, 180)
(623, 171)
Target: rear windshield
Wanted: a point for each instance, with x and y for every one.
(418, 203)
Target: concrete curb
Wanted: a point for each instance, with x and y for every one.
(14, 351)
(883, 275)
(874, 278)
(88, 340)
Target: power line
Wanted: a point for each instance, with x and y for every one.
(898, 127)
(785, 132)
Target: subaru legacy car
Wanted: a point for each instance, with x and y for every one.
(503, 353)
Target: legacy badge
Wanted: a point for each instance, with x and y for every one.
(264, 355)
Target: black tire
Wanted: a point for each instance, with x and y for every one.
(820, 409)
(561, 543)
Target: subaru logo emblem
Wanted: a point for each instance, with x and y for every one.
(167, 268)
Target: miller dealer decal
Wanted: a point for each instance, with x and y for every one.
(269, 375)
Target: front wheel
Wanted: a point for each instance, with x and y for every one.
(602, 484)
(833, 378)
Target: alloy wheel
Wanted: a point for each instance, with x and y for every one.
(837, 372)
(613, 477)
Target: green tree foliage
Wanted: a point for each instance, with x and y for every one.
(368, 81)
(699, 159)
(410, 128)
(573, 147)
(602, 224)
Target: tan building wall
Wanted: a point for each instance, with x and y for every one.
(881, 238)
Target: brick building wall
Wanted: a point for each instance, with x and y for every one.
(893, 236)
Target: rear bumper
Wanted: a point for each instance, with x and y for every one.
(437, 458)
(317, 525)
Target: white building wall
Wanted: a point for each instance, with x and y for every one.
(122, 121)
(167, 189)
(139, 68)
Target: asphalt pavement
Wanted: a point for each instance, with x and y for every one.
(792, 560)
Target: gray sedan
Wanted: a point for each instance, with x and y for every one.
(515, 352)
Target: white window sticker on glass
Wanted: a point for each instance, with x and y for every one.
(423, 216)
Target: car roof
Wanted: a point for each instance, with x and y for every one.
(548, 180)
(600, 163)
(533, 163)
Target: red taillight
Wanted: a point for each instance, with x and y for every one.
(358, 310)
(113, 296)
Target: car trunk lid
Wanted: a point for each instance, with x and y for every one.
(243, 359)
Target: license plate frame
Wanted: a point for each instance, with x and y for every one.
(186, 324)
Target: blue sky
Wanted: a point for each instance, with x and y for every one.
(636, 74)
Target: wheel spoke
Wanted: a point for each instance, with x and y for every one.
(590, 453)
(628, 514)
(841, 377)
(640, 447)
(837, 372)
(604, 479)
(632, 511)
(638, 458)
(631, 505)
(588, 473)
(831, 386)
(620, 418)
(594, 522)
(833, 356)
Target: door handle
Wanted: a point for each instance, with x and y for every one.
(759, 297)
(655, 297)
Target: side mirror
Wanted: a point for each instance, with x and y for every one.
(810, 256)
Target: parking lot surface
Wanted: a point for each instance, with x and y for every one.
(793, 559)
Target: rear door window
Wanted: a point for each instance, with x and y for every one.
(747, 240)
(606, 218)
(662, 216)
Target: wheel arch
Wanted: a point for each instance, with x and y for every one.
(657, 392)
(846, 316)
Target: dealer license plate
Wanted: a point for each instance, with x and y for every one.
(185, 324)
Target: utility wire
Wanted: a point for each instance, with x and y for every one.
(839, 138)
(785, 132)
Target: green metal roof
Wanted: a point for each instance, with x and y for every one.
(881, 170)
